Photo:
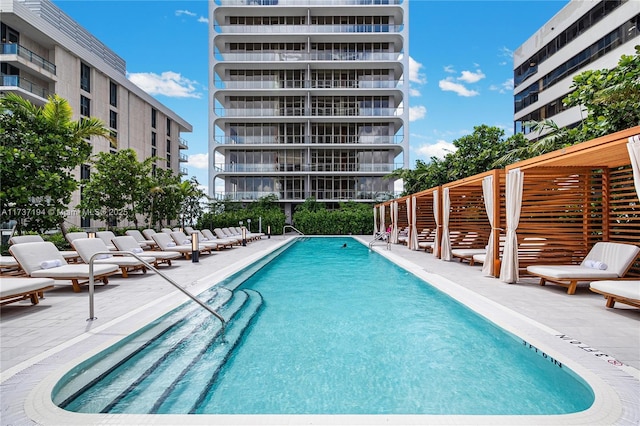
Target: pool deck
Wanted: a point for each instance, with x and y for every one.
(37, 343)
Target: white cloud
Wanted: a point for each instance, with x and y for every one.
(415, 76)
(505, 87)
(168, 83)
(450, 86)
(438, 149)
(185, 12)
(414, 92)
(203, 20)
(417, 112)
(471, 77)
(449, 69)
(199, 161)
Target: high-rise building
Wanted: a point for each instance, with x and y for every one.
(584, 35)
(308, 99)
(44, 52)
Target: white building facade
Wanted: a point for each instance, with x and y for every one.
(584, 35)
(44, 52)
(308, 99)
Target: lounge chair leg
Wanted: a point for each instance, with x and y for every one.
(572, 287)
(76, 286)
(105, 280)
(124, 272)
(34, 298)
(543, 281)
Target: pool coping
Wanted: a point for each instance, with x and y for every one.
(616, 388)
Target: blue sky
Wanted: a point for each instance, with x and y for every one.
(461, 62)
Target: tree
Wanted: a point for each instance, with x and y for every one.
(118, 187)
(40, 148)
(193, 198)
(163, 201)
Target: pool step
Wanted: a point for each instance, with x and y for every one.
(102, 387)
(197, 379)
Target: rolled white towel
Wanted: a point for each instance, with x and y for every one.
(137, 250)
(172, 244)
(48, 264)
(595, 264)
(186, 242)
(103, 256)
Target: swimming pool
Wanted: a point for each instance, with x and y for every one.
(338, 330)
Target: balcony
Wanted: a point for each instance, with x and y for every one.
(305, 2)
(304, 56)
(298, 195)
(315, 112)
(183, 144)
(7, 82)
(184, 158)
(184, 171)
(278, 168)
(23, 52)
(317, 139)
(301, 29)
(316, 84)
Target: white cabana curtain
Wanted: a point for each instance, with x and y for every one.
(487, 193)
(446, 242)
(634, 154)
(509, 268)
(413, 224)
(436, 216)
(375, 220)
(394, 222)
(382, 213)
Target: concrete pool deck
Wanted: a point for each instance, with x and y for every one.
(37, 342)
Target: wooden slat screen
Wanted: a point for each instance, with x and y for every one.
(624, 211)
(468, 214)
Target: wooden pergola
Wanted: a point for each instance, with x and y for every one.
(575, 197)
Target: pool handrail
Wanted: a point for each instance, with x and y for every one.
(284, 228)
(381, 236)
(169, 280)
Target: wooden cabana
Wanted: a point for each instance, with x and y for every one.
(570, 199)
(428, 214)
(394, 214)
(475, 212)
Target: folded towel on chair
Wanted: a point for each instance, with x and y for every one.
(48, 264)
(595, 264)
(136, 250)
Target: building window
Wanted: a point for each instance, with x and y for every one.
(168, 161)
(85, 106)
(154, 117)
(113, 94)
(153, 139)
(85, 172)
(168, 145)
(85, 77)
(113, 119)
(168, 127)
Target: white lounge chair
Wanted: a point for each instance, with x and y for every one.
(180, 238)
(202, 238)
(128, 243)
(70, 236)
(166, 243)
(70, 255)
(623, 291)
(221, 235)
(147, 233)
(140, 239)
(15, 289)
(107, 237)
(88, 247)
(40, 260)
(605, 261)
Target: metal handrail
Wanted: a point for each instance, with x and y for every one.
(145, 263)
(284, 228)
(381, 236)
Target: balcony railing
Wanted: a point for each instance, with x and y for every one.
(308, 168)
(23, 52)
(16, 81)
(305, 2)
(183, 144)
(317, 84)
(304, 56)
(184, 171)
(315, 112)
(302, 195)
(266, 140)
(300, 29)
(184, 158)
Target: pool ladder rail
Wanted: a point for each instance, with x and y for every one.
(92, 316)
(284, 230)
(383, 237)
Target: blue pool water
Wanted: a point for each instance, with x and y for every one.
(334, 331)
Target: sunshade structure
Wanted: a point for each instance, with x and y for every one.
(395, 215)
(558, 205)
(475, 215)
(428, 214)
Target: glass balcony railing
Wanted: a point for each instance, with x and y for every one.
(305, 2)
(16, 81)
(315, 112)
(301, 29)
(184, 171)
(183, 144)
(23, 52)
(304, 56)
(316, 84)
(184, 158)
(308, 168)
(302, 195)
(324, 139)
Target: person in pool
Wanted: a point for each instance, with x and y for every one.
(344, 245)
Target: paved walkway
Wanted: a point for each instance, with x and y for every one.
(43, 336)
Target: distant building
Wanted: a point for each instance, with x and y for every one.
(43, 52)
(584, 35)
(309, 99)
